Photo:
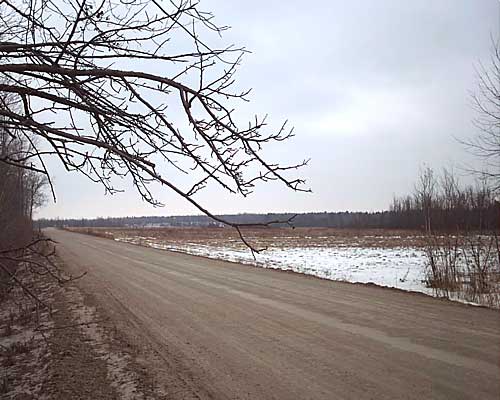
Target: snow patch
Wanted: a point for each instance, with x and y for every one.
(400, 267)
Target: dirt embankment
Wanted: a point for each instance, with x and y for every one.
(68, 350)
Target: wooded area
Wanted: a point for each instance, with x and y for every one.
(443, 203)
(21, 192)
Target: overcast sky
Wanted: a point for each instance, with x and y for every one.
(374, 89)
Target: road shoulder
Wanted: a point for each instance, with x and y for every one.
(69, 350)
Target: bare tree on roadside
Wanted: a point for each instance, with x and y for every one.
(425, 192)
(134, 89)
(486, 100)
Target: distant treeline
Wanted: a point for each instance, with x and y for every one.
(322, 219)
(438, 203)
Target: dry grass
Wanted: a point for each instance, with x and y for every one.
(466, 266)
(94, 232)
(23, 350)
(269, 237)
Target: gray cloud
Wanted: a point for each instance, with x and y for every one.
(374, 90)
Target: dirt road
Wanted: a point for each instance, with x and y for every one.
(212, 329)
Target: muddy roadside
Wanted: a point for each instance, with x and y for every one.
(64, 347)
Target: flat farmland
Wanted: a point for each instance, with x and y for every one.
(392, 258)
(276, 237)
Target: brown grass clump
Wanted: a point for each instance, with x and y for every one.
(465, 266)
(99, 232)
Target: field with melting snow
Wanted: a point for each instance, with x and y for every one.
(465, 268)
(402, 268)
(386, 258)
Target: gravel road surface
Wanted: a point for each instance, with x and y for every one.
(220, 330)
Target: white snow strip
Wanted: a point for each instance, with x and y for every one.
(401, 268)
(398, 267)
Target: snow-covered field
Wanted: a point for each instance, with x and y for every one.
(399, 267)
(391, 258)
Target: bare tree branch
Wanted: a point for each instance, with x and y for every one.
(119, 88)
